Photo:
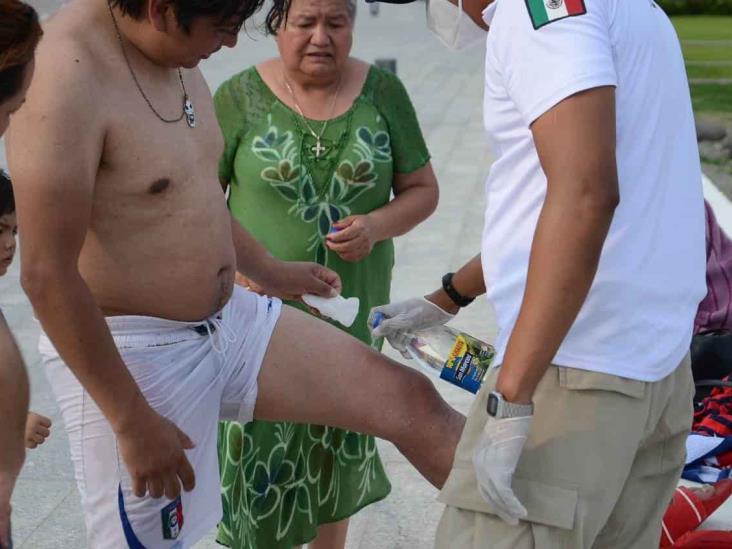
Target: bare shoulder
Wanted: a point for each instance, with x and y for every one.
(58, 134)
(69, 64)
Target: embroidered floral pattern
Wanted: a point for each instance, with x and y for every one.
(280, 485)
(320, 207)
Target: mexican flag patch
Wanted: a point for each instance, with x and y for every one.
(543, 12)
(172, 517)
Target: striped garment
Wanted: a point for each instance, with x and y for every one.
(714, 310)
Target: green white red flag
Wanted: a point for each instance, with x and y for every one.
(544, 12)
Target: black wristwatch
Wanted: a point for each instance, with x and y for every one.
(456, 297)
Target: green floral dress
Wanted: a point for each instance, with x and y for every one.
(281, 480)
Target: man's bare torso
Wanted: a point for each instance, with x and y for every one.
(159, 242)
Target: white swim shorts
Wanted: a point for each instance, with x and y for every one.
(193, 374)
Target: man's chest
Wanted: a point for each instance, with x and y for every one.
(137, 138)
(147, 161)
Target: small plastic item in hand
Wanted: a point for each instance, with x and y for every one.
(338, 308)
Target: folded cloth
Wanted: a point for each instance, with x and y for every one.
(714, 416)
(689, 508)
(706, 474)
(703, 447)
(709, 446)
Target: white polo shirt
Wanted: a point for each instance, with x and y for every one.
(638, 317)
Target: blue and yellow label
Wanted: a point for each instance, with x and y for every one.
(468, 363)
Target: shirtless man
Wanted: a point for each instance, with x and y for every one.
(129, 258)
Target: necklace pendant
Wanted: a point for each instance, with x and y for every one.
(318, 149)
(189, 111)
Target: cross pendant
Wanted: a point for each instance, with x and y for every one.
(318, 148)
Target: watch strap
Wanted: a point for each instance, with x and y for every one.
(456, 297)
(500, 408)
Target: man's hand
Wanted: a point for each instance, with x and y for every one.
(249, 284)
(355, 238)
(404, 316)
(153, 447)
(292, 279)
(37, 430)
(495, 458)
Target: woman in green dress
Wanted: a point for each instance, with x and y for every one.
(316, 143)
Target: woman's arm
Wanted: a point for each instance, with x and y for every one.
(415, 198)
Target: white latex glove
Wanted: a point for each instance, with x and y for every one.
(405, 316)
(495, 459)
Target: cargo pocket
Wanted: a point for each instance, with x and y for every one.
(547, 504)
(584, 380)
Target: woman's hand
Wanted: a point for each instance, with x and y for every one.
(354, 239)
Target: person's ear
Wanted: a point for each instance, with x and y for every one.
(161, 14)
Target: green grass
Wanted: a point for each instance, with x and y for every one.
(709, 71)
(703, 28)
(707, 98)
(711, 98)
(698, 52)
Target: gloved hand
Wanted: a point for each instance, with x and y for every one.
(399, 318)
(495, 458)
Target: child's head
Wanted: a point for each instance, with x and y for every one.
(8, 223)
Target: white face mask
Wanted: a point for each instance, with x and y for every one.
(452, 25)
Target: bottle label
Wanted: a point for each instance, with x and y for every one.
(468, 363)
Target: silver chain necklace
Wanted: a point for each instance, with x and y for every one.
(188, 111)
(318, 148)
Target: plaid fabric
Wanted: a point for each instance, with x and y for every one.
(714, 417)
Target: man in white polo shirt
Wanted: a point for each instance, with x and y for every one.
(593, 257)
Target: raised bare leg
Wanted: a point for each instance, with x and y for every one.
(315, 373)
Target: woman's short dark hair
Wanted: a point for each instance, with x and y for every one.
(188, 10)
(277, 14)
(7, 198)
(20, 33)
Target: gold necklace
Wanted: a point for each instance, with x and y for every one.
(318, 148)
(188, 111)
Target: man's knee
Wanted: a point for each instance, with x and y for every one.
(418, 393)
(419, 408)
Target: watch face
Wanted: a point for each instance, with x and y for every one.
(492, 405)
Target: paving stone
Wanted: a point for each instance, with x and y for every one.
(710, 130)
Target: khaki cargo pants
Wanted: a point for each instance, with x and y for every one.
(599, 468)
